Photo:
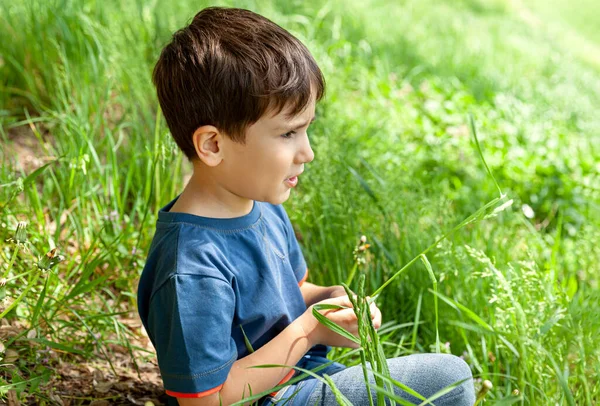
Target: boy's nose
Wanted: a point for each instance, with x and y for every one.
(305, 154)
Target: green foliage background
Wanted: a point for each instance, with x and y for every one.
(394, 161)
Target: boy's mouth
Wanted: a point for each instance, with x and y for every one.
(292, 182)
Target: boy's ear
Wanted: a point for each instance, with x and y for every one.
(208, 142)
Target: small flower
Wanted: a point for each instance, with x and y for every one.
(133, 251)
(112, 216)
(50, 260)
(528, 211)
(359, 253)
(445, 348)
(20, 236)
(485, 388)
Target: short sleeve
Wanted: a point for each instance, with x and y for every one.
(190, 318)
(295, 252)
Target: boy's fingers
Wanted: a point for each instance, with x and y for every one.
(375, 315)
(377, 320)
(341, 300)
(346, 314)
(374, 309)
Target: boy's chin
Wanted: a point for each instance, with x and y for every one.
(275, 200)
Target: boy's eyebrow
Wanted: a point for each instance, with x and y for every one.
(295, 127)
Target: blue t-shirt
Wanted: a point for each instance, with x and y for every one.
(206, 279)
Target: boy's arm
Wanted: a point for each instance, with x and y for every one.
(314, 293)
(285, 349)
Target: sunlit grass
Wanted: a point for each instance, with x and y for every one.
(87, 161)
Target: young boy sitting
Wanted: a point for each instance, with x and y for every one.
(238, 93)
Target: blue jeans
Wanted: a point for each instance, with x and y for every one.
(424, 373)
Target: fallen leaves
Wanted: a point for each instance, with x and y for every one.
(77, 380)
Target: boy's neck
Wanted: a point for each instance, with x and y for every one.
(204, 197)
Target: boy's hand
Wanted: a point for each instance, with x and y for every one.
(318, 333)
(338, 290)
(375, 314)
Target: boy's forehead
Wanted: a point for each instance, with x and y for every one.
(287, 123)
(284, 119)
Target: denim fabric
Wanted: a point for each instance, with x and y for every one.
(298, 394)
(424, 373)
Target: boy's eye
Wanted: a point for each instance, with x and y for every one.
(289, 135)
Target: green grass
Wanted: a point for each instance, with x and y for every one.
(517, 294)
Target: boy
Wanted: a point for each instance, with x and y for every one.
(238, 93)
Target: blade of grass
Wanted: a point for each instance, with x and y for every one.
(246, 341)
(457, 306)
(351, 274)
(463, 223)
(21, 296)
(416, 322)
(442, 392)
(306, 372)
(38, 306)
(57, 346)
(400, 385)
(466, 221)
(474, 132)
(94, 338)
(365, 348)
(331, 325)
(339, 396)
(435, 301)
(26, 182)
(390, 395)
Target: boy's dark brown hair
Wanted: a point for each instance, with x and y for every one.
(227, 69)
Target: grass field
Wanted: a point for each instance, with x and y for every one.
(87, 161)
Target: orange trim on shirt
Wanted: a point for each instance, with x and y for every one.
(194, 395)
(218, 388)
(284, 380)
(303, 279)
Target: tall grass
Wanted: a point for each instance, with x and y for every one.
(517, 296)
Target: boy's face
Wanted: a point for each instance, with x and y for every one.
(267, 166)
